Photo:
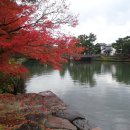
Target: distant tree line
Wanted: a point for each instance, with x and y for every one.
(121, 45)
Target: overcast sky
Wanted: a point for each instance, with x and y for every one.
(107, 19)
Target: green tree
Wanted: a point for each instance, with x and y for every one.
(122, 46)
(87, 42)
(97, 49)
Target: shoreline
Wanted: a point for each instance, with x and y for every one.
(41, 111)
(112, 59)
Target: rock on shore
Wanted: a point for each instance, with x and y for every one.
(39, 112)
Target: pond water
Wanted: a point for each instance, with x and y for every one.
(100, 91)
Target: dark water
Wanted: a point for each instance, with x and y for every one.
(100, 91)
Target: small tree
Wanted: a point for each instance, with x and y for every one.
(97, 49)
(87, 42)
(122, 46)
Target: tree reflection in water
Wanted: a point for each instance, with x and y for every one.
(36, 68)
(122, 73)
(84, 73)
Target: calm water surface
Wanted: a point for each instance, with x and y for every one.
(100, 91)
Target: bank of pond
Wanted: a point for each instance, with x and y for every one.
(113, 58)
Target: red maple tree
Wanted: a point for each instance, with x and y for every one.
(32, 30)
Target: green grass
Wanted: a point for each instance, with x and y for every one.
(113, 58)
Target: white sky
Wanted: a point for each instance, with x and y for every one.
(107, 19)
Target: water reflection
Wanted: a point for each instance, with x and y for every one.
(122, 73)
(35, 68)
(84, 73)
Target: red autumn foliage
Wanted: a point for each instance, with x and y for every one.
(32, 31)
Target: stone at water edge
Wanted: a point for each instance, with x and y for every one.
(83, 124)
(97, 128)
(59, 123)
(52, 102)
(69, 114)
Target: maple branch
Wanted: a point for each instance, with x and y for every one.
(6, 24)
